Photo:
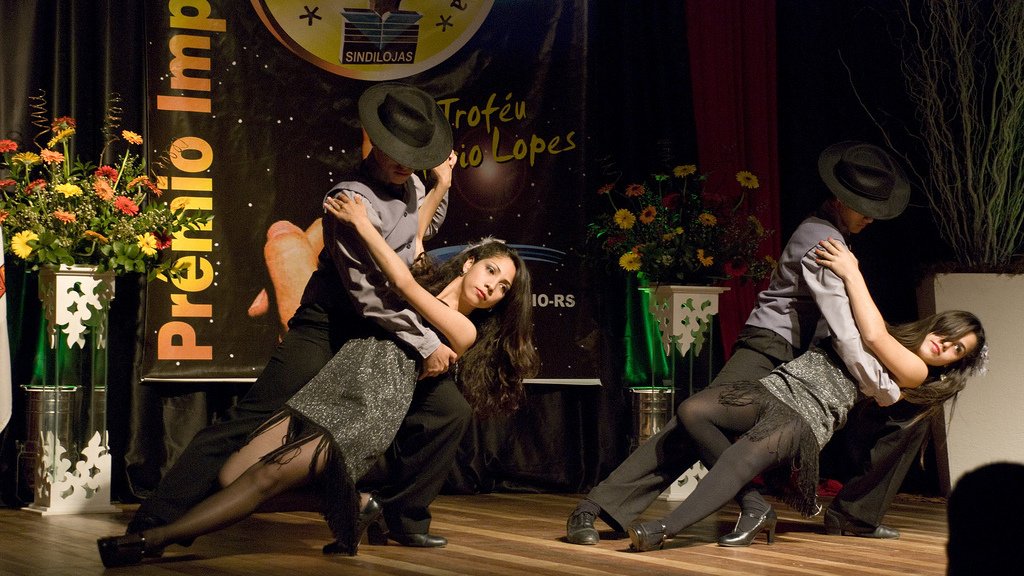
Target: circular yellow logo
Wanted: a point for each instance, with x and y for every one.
(373, 39)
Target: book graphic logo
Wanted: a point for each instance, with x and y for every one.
(373, 39)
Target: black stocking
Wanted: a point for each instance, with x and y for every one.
(238, 500)
(711, 424)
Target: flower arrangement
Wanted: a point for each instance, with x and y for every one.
(675, 231)
(57, 211)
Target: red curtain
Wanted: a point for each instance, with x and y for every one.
(732, 67)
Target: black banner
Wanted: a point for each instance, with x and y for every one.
(252, 116)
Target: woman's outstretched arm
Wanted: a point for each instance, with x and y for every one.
(907, 368)
(457, 328)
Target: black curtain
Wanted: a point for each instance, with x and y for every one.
(78, 59)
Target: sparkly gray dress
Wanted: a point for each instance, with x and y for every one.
(354, 405)
(802, 402)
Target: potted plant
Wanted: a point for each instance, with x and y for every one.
(965, 78)
(79, 225)
(681, 240)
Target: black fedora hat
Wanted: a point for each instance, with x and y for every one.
(406, 124)
(865, 178)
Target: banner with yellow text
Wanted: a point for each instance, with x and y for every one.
(252, 116)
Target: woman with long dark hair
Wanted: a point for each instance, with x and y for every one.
(335, 427)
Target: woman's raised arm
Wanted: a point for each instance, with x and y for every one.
(432, 200)
(456, 327)
(908, 370)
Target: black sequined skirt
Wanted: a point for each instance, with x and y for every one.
(800, 404)
(352, 410)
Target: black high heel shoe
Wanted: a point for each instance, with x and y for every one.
(377, 532)
(739, 537)
(371, 521)
(646, 536)
(122, 550)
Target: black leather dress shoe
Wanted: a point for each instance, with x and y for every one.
(579, 528)
(837, 524)
(419, 540)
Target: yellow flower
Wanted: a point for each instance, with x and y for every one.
(179, 203)
(679, 231)
(630, 261)
(668, 236)
(147, 242)
(131, 137)
(757, 225)
(624, 218)
(648, 214)
(684, 170)
(746, 179)
(704, 260)
(69, 190)
(771, 261)
(707, 219)
(25, 158)
(62, 135)
(19, 244)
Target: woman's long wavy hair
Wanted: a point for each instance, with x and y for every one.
(945, 382)
(490, 374)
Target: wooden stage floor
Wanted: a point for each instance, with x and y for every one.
(506, 534)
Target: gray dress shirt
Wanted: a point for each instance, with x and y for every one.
(805, 302)
(347, 271)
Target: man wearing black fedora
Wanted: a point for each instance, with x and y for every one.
(803, 303)
(347, 297)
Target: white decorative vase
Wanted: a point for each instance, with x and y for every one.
(684, 317)
(683, 314)
(68, 395)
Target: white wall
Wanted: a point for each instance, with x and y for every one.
(988, 422)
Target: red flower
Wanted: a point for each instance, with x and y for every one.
(614, 240)
(736, 267)
(163, 240)
(634, 190)
(8, 146)
(152, 188)
(671, 202)
(126, 205)
(108, 172)
(5, 183)
(605, 189)
(62, 123)
(36, 186)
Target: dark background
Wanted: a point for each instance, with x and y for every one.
(567, 437)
